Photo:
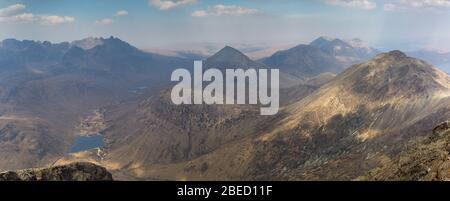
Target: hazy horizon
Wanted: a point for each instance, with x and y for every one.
(384, 24)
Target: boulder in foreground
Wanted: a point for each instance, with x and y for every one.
(80, 171)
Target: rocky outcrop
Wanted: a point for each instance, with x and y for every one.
(426, 160)
(71, 172)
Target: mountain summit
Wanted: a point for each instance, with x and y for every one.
(347, 50)
(88, 43)
(229, 57)
(320, 56)
(321, 41)
(438, 58)
(394, 74)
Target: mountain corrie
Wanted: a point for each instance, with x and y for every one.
(236, 78)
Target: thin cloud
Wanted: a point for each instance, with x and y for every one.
(14, 14)
(403, 5)
(169, 4)
(106, 21)
(359, 4)
(219, 10)
(23, 17)
(11, 10)
(54, 19)
(121, 13)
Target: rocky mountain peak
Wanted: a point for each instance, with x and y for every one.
(110, 43)
(88, 43)
(357, 43)
(321, 41)
(14, 44)
(228, 51)
(393, 74)
(396, 54)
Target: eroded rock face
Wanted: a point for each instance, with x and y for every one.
(71, 172)
(441, 130)
(426, 160)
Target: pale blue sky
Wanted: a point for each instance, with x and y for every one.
(386, 24)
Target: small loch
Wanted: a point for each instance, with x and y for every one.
(83, 143)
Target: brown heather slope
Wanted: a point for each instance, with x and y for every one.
(423, 160)
(355, 122)
(28, 142)
(360, 120)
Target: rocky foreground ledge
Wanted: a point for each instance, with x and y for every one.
(425, 160)
(80, 171)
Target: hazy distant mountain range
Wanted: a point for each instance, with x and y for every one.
(437, 58)
(205, 50)
(321, 55)
(254, 51)
(347, 109)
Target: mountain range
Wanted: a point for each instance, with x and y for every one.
(46, 88)
(321, 55)
(437, 58)
(347, 109)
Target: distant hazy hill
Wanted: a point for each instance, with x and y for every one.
(439, 59)
(320, 56)
(229, 57)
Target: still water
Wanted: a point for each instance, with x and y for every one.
(83, 143)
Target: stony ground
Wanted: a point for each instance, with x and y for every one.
(425, 160)
(70, 172)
